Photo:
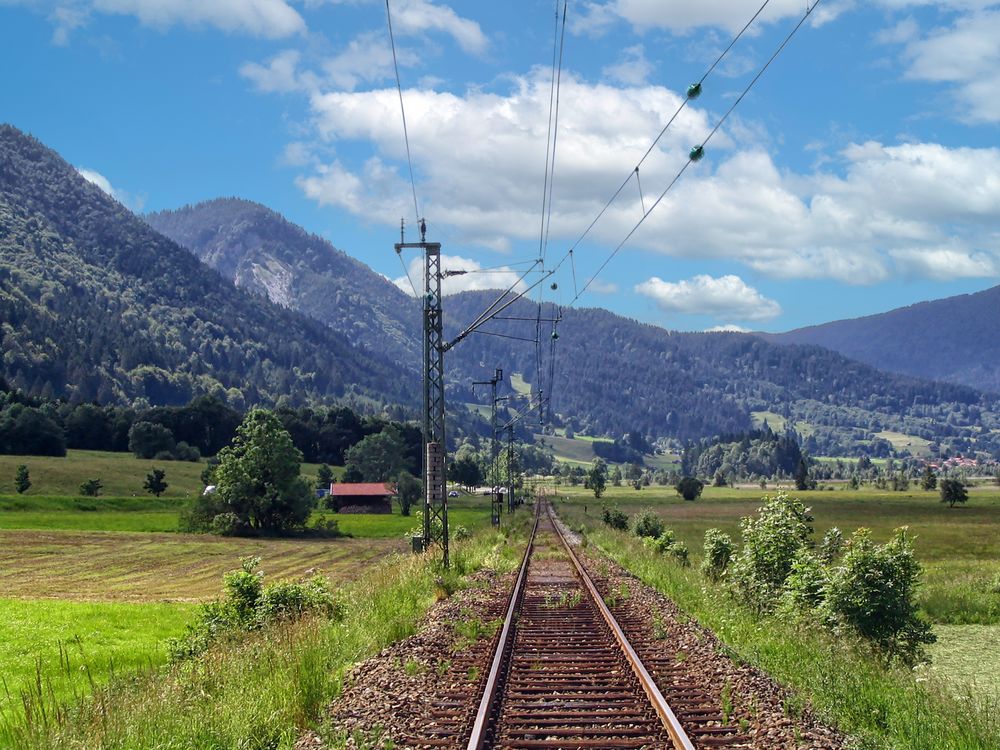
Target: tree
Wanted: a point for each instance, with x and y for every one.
(147, 439)
(22, 481)
(929, 479)
(409, 489)
(466, 471)
(155, 483)
(802, 480)
(689, 488)
(258, 476)
(597, 478)
(379, 457)
(953, 491)
(324, 477)
(27, 431)
(91, 487)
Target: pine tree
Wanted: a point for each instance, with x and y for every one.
(22, 480)
(155, 483)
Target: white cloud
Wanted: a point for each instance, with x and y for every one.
(475, 277)
(602, 287)
(632, 67)
(267, 18)
(414, 17)
(945, 264)
(966, 55)
(96, 178)
(474, 154)
(280, 74)
(682, 15)
(727, 328)
(725, 297)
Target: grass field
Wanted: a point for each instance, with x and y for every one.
(900, 442)
(101, 566)
(59, 646)
(122, 474)
(959, 549)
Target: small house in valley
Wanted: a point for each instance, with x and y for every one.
(362, 497)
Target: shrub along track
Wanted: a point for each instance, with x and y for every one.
(564, 678)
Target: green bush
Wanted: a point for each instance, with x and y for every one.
(248, 604)
(225, 524)
(873, 592)
(615, 518)
(718, 554)
(647, 524)
(832, 545)
(679, 551)
(771, 542)
(806, 583)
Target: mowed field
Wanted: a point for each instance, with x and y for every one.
(959, 549)
(91, 587)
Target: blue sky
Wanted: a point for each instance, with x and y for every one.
(861, 173)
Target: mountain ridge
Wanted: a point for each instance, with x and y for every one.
(951, 339)
(96, 305)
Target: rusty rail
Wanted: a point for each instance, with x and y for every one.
(596, 723)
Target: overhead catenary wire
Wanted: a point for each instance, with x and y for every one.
(402, 111)
(700, 148)
(635, 170)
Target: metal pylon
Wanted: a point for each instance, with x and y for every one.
(435, 451)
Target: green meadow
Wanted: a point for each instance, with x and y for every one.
(959, 549)
(93, 586)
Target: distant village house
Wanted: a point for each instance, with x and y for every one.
(362, 497)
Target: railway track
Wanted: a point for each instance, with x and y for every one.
(565, 675)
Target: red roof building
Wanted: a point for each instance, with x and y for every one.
(362, 497)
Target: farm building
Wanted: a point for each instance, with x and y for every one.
(370, 497)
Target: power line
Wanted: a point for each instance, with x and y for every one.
(693, 91)
(698, 151)
(402, 110)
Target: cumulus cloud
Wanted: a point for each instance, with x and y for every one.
(727, 328)
(632, 67)
(267, 18)
(682, 16)
(945, 264)
(474, 278)
(415, 17)
(965, 55)
(724, 297)
(477, 155)
(273, 19)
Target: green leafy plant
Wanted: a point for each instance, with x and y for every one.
(718, 554)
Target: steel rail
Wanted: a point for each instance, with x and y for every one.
(670, 721)
(505, 645)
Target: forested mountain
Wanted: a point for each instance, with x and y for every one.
(614, 375)
(263, 252)
(95, 305)
(953, 339)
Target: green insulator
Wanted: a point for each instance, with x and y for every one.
(694, 91)
(554, 286)
(697, 153)
(555, 335)
(429, 296)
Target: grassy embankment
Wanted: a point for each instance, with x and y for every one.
(264, 690)
(951, 705)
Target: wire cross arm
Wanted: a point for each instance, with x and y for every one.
(486, 317)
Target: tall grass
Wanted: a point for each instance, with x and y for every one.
(884, 707)
(260, 692)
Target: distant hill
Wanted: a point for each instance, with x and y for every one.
(954, 339)
(613, 375)
(96, 305)
(262, 252)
